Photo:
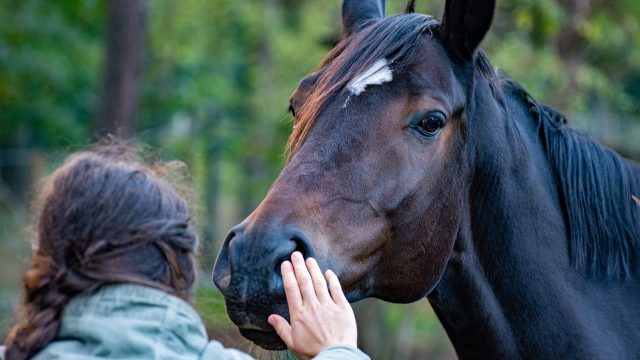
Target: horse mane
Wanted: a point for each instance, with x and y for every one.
(596, 187)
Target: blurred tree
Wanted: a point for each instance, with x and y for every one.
(581, 56)
(126, 32)
(216, 90)
(49, 56)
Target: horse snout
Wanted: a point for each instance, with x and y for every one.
(247, 272)
(247, 257)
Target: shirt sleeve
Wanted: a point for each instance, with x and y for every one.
(341, 352)
(215, 351)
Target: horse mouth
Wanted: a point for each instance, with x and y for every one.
(267, 340)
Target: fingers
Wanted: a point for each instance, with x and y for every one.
(336, 290)
(303, 277)
(283, 329)
(319, 284)
(291, 290)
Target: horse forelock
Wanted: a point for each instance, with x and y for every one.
(397, 41)
(394, 40)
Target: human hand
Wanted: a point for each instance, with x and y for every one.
(320, 317)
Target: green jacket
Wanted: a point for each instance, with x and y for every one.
(138, 322)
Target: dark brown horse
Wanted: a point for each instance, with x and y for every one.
(416, 171)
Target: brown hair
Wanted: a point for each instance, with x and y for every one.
(104, 218)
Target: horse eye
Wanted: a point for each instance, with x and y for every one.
(430, 124)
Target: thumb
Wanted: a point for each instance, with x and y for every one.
(282, 328)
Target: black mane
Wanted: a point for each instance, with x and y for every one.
(596, 187)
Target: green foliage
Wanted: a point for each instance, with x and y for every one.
(602, 71)
(50, 57)
(210, 306)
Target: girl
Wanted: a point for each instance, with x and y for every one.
(114, 266)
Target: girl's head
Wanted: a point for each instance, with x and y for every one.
(103, 219)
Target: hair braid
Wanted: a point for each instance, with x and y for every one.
(45, 300)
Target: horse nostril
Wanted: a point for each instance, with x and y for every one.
(303, 245)
(222, 268)
(297, 241)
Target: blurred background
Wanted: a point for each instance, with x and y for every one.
(208, 82)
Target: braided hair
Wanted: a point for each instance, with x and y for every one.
(104, 219)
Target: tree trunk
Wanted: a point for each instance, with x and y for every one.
(126, 31)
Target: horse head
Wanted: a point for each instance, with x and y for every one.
(374, 187)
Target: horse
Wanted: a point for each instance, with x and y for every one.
(415, 170)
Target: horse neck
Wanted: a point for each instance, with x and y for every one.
(509, 289)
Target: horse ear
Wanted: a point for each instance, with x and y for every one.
(357, 13)
(465, 23)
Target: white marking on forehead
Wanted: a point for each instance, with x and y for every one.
(378, 73)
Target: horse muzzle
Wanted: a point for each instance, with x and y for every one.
(247, 272)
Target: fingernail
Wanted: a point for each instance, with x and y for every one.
(296, 254)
